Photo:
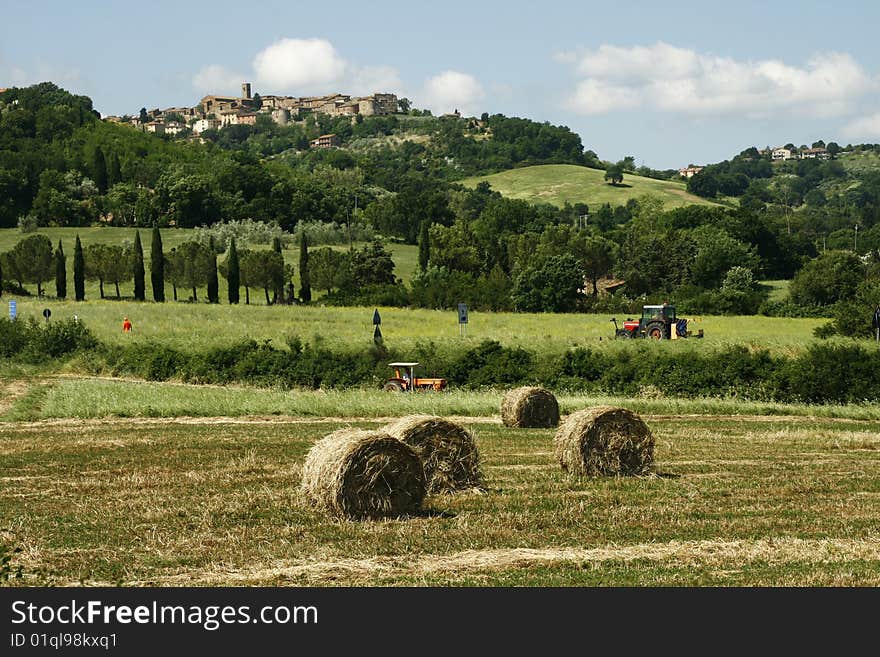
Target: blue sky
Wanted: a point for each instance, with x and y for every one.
(670, 83)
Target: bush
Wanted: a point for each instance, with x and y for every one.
(36, 342)
(492, 364)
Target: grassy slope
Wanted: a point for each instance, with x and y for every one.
(743, 502)
(561, 183)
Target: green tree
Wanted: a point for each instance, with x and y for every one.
(552, 285)
(305, 290)
(114, 170)
(262, 269)
(233, 276)
(716, 253)
(614, 173)
(60, 272)
(424, 244)
(108, 263)
(278, 284)
(79, 272)
(194, 261)
(597, 256)
(833, 276)
(327, 268)
(99, 169)
(137, 268)
(157, 266)
(213, 283)
(32, 260)
(371, 265)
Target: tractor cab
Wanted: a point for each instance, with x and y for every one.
(657, 323)
(664, 313)
(405, 380)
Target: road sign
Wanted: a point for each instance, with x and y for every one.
(13, 309)
(47, 313)
(376, 319)
(462, 313)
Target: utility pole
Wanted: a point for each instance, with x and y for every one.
(856, 240)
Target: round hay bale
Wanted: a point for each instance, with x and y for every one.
(447, 451)
(604, 441)
(363, 474)
(529, 407)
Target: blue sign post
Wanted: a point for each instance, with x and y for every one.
(13, 309)
(462, 319)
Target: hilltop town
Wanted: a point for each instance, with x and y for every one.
(214, 112)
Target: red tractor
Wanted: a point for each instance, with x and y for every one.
(657, 323)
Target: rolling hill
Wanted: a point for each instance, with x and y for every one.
(558, 184)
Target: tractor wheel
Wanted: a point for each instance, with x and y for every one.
(655, 331)
(623, 333)
(393, 386)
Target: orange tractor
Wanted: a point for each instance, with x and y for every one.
(404, 379)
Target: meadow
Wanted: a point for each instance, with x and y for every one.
(748, 501)
(559, 184)
(198, 325)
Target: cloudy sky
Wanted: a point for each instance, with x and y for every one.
(670, 83)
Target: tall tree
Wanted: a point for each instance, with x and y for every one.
(278, 286)
(79, 272)
(233, 276)
(157, 266)
(424, 244)
(305, 290)
(99, 169)
(137, 266)
(213, 283)
(32, 260)
(114, 171)
(60, 272)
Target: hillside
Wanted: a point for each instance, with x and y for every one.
(559, 184)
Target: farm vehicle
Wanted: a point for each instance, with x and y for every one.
(404, 379)
(657, 323)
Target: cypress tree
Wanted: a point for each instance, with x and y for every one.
(233, 274)
(99, 169)
(213, 283)
(114, 171)
(305, 290)
(157, 266)
(278, 286)
(138, 268)
(79, 272)
(60, 272)
(424, 244)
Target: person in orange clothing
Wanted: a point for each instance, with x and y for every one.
(126, 325)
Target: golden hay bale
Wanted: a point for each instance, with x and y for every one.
(446, 449)
(604, 441)
(529, 407)
(363, 474)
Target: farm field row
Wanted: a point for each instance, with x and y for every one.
(733, 502)
(197, 325)
(32, 398)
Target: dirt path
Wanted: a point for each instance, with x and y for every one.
(717, 552)
(12, 391)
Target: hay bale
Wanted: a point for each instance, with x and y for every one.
(447, 451)
(604, 441)
(529, 407)
(363, 474)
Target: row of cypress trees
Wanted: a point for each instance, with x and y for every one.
(157, 271)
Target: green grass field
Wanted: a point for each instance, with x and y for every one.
(559, 184)
(744, 501)
(405, 257)
(199, 325)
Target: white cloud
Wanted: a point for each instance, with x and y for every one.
(866, 127)
(452, 90)
(669, 78)
(294, 65)
(215, 79)
(371, 79)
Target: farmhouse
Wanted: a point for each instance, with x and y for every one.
(325, 141)
(689, 172)
(782, 153)
(815, 154)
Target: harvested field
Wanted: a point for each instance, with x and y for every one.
(163, 502)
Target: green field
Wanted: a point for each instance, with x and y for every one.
(559, 184)
(734, 501)
(405, 257)
(199, 325)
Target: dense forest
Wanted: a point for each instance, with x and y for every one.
(395, 178)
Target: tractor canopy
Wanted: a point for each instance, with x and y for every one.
(664, 313)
